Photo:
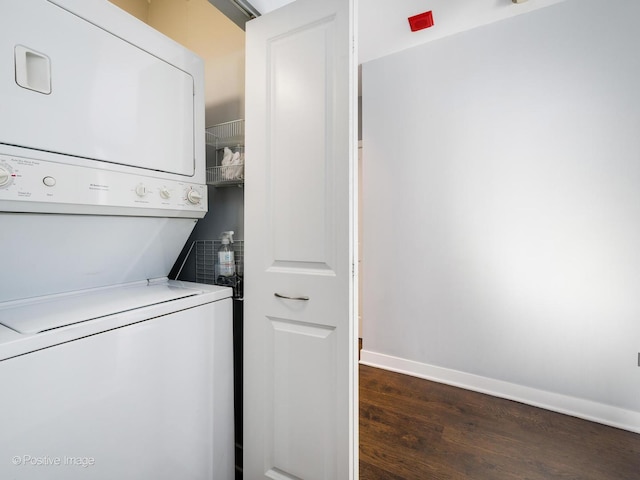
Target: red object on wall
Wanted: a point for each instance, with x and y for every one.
(421, 21)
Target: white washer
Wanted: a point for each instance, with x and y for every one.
(139, 384)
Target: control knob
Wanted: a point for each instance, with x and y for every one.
(194, 196)
(141, 190)
(165, 193)
(5, 176)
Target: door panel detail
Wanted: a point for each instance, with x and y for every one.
(301, 231)
(302, 445)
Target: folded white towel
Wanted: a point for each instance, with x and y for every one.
(231, 172)
(232, 166)
(227, 170)
(240, 171)
(226, 158)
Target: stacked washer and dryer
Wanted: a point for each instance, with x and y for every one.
(107, 368)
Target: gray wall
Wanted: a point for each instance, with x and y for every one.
(501, 207)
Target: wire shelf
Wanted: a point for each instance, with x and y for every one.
(225, 134)
(208, 267)
(223, 176)
(229, 171)
(225, 166)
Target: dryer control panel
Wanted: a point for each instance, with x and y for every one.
(34, 185)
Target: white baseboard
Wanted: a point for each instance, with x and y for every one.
(576, 407)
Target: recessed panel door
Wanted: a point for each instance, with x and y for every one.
(299, 350)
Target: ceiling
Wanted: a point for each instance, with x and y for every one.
(384, 29)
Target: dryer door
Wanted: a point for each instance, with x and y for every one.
(72, 87)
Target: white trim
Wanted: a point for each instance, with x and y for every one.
(576, 407)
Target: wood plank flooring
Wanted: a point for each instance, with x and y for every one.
(413, 429)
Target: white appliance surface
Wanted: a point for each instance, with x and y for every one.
(50, 254)
(56, 311)
(102, 173)
(147, 393)
(38, 182)
(107, 369)
(72, 87)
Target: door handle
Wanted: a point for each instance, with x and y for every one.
(286, 297)
(33, 70)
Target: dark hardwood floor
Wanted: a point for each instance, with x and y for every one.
(413, 429)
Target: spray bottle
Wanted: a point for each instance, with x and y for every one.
(226, 258)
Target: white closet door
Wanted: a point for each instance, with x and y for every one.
(300, 344)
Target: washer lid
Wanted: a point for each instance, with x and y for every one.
(57, 311)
